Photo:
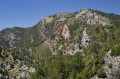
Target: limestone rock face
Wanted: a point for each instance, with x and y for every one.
(1, 75)
(62, 29)
(115, 61)
(31, 69)
(12, 38)
(65, 32)
(58, 28)
(62, 16)
(14, 67)
(85, 39)
(91, 18)
(24, 75)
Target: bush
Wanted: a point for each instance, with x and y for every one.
(1, 71)
(0, 49)
(110, 65)
(12, 65)
(115, 50)
(5, 72)
(101, 73)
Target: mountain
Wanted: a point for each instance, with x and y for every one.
(76, 45)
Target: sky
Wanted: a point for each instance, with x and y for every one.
(26, 13)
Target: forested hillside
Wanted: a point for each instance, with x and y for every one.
(76, 45)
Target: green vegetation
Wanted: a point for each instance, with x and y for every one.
(110, 65)
(3, 72)
(115, 50)
(0, 49)
(61, 67)
(101, 73)
(31, 44)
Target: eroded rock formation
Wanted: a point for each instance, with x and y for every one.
(62, 29)
(91, 18)
(85, 39)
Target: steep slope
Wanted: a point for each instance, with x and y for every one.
(68, 45)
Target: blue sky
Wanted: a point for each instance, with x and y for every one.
(26, 13)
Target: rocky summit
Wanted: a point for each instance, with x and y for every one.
(77, 45)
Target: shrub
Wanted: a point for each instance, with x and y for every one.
(115, 50)
(0, 49)
(101, 73)
(5, 72)
(110, 65)
(12, 65)
(1, 71)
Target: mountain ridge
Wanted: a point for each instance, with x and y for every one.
(88, 33)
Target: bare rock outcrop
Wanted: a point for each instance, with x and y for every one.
(62, 16)
(85, 39)
(15, 68)
(62, 29)
(91, 18)
(11, 38)
(65, 32)
(114, 71)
